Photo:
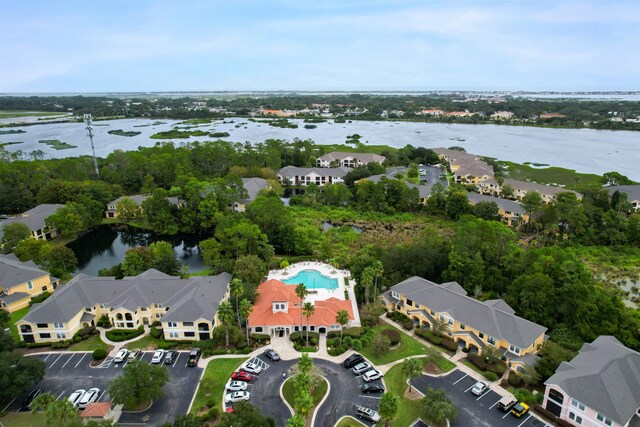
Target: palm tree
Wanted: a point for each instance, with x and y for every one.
(366, 281)
(284, 264)
(388, 407)
(376, 269)
(58, 413)
(225, 314)
(296, 421)
(236, 288)
(245, 309)
(439, 327)
(301, 292)
(308, 310)
(412, 369)
(343, 318)
(437, 407)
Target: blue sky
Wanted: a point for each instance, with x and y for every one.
(97, 46)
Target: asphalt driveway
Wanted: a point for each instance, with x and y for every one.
(67, 372)
(474, 411)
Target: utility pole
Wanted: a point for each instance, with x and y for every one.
(87, 119)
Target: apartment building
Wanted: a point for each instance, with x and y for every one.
(349, 160)
(471, 323)
(632, 192)
(112, 207)
(186, 308)
(511, 211)
(21, 281)
(600, 387)
(296, 176)
(253, 186)
(521, 188)
(35, 220)
(466, 168)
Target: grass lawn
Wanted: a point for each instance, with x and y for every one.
(551, 175)
(408, 410)
(23, 419)
(13, 318)
(145, 343)
(407, 347)
(444, 364)
(90, 344)
(289, 392)
(349, 422)
(5, 114)
(212, 384)
(478, 370)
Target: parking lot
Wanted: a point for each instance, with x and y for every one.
(474, 411)
(67, 372)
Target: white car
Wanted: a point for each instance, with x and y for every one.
(89, 396)
(158, 356)
(133, 355)
(75, 396)
(252, 368)
(371, 375)
(237, 396)
(237, 386)
(361, 368)
(121, 356)
(479, 388)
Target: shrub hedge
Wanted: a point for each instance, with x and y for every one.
(355, 332)
(124, 334)
(155, 332)
(408, 325)
(99, 354)
(295, 336)
(38, 299)
(514, 379)
(61, 344)
(261, 339)
(393, 335)
(449, 344)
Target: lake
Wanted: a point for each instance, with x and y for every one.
(585, 150)
(106, 245)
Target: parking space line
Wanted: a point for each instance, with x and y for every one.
(83, 356)
(482, 396)
(370, 397)
(102, 395)
(54, 362)
(7, 407)
(505, 415)
(463, 377)
(65, 363)
(490, 407)
(469, 388)
(48, 355)
(60, 395)
(174, 363)
(527, 419)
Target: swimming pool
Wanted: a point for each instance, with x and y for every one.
(312, 279)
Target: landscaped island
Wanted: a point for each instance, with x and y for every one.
(56, 144)
(121, 132)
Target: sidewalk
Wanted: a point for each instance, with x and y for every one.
(119, 344)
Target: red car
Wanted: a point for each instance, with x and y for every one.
(242, 376)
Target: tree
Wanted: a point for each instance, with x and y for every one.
(438, 407)
(137, 261)
(301, 292)
(236, 288)
(615, 178)
(531, 203)
(250, 269)
(244, 310)
(245, 415)
(58, 413)
(19, 373)
(303, 403)
(530, 375)
(127, 209)
(490, 354)
(388, 406)
(439, 327)
(308, 309)
(274, 219)
(225, 314)
(62, 261)
(507, 191)
(377, 268)
(487, 210)
(412, 369)
(139, 383)
(164, 258)
(296, 421)
(380, 344)
(284, 264)
(457, 204)
(342, 317)
(13, 234)
(366, 281)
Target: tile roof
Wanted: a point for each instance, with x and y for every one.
(605, 376)
(16, 296)
(33, 218)
(469, 164)
(338, 172)
(632, 191)
(188, 299)
(491, 319)
(276, 291)
(14, 272)
(96, 410)
(363, 157)
(543, 189)
(504, 204)
(253, 187)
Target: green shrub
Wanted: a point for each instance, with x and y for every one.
(155, 332)
(211, 403)
(337, 351)
(295, 336)
(167, 344)
(77, 338)
(498, 368)
(393, 335)
(213, 413)
(408, 325)
(449, 344)
(39, 298)
(347, 341)
(99, 354)
(524, 395)
(355, 332)
(514, 379)
(124, 334)
(261, 338)
(369, 320)
(477, 360)
(356, 345)
(104, 321)
(36, 344)
(491, 376)
(297, 347)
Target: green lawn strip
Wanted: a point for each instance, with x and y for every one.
(349, 422)
(475, 368)
(215, 377)
(444, 364)
(551, 175)
(407, 347)
(90, 344)
(289, 392)
(6, 114)
(23, 419)
(408, 410)
(13, 318)
(145, 343)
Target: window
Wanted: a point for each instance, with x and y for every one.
(576, 418)
(395, 294)
(189, 334)
(312, 328)
(577, 404)
(335, 326)
(556, 396)
(42, 325)
(45, 336)
(462, 326)
(491, 340)
(514, 349)
(61, 336)
(258, 329)
(409, 302)
(442, 318)
(481, 335)
(172, 325)
(143, 308)
(433, 313)
(187, 323)
(44, 289)
(29, 285)
(88, 309)
(450, 321)
(58, 325)
(604, 419)
(417, 305)
(173, 335)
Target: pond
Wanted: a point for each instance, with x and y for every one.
(106, 245)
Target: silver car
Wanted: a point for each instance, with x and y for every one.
(89, 396)
(158, 356)
(75, 397)
(121, 356)
(361, 368)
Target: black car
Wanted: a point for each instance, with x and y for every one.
(352, 361)
(194, 356)
(29, 399)
(373, 388)
(170, 357)
(271, 354)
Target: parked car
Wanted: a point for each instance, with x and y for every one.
(237, 386)
(361, 368)
(371, 375)
(121, 356)
(133, 355)
(507, 403)
(26, 403)
(242, 376)
(352, 361)
(237, 396)
(170, 357)
(75, 396)
(89, 396)
(194, 356)
(479, 388)
(252, 367)
(158, 356)
(520, 409)
(271, 354)
(367, 414)
(372, 388)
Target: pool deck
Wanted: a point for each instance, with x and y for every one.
(323, 294)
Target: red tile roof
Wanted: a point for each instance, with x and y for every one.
(276, 291)
(96, 410)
